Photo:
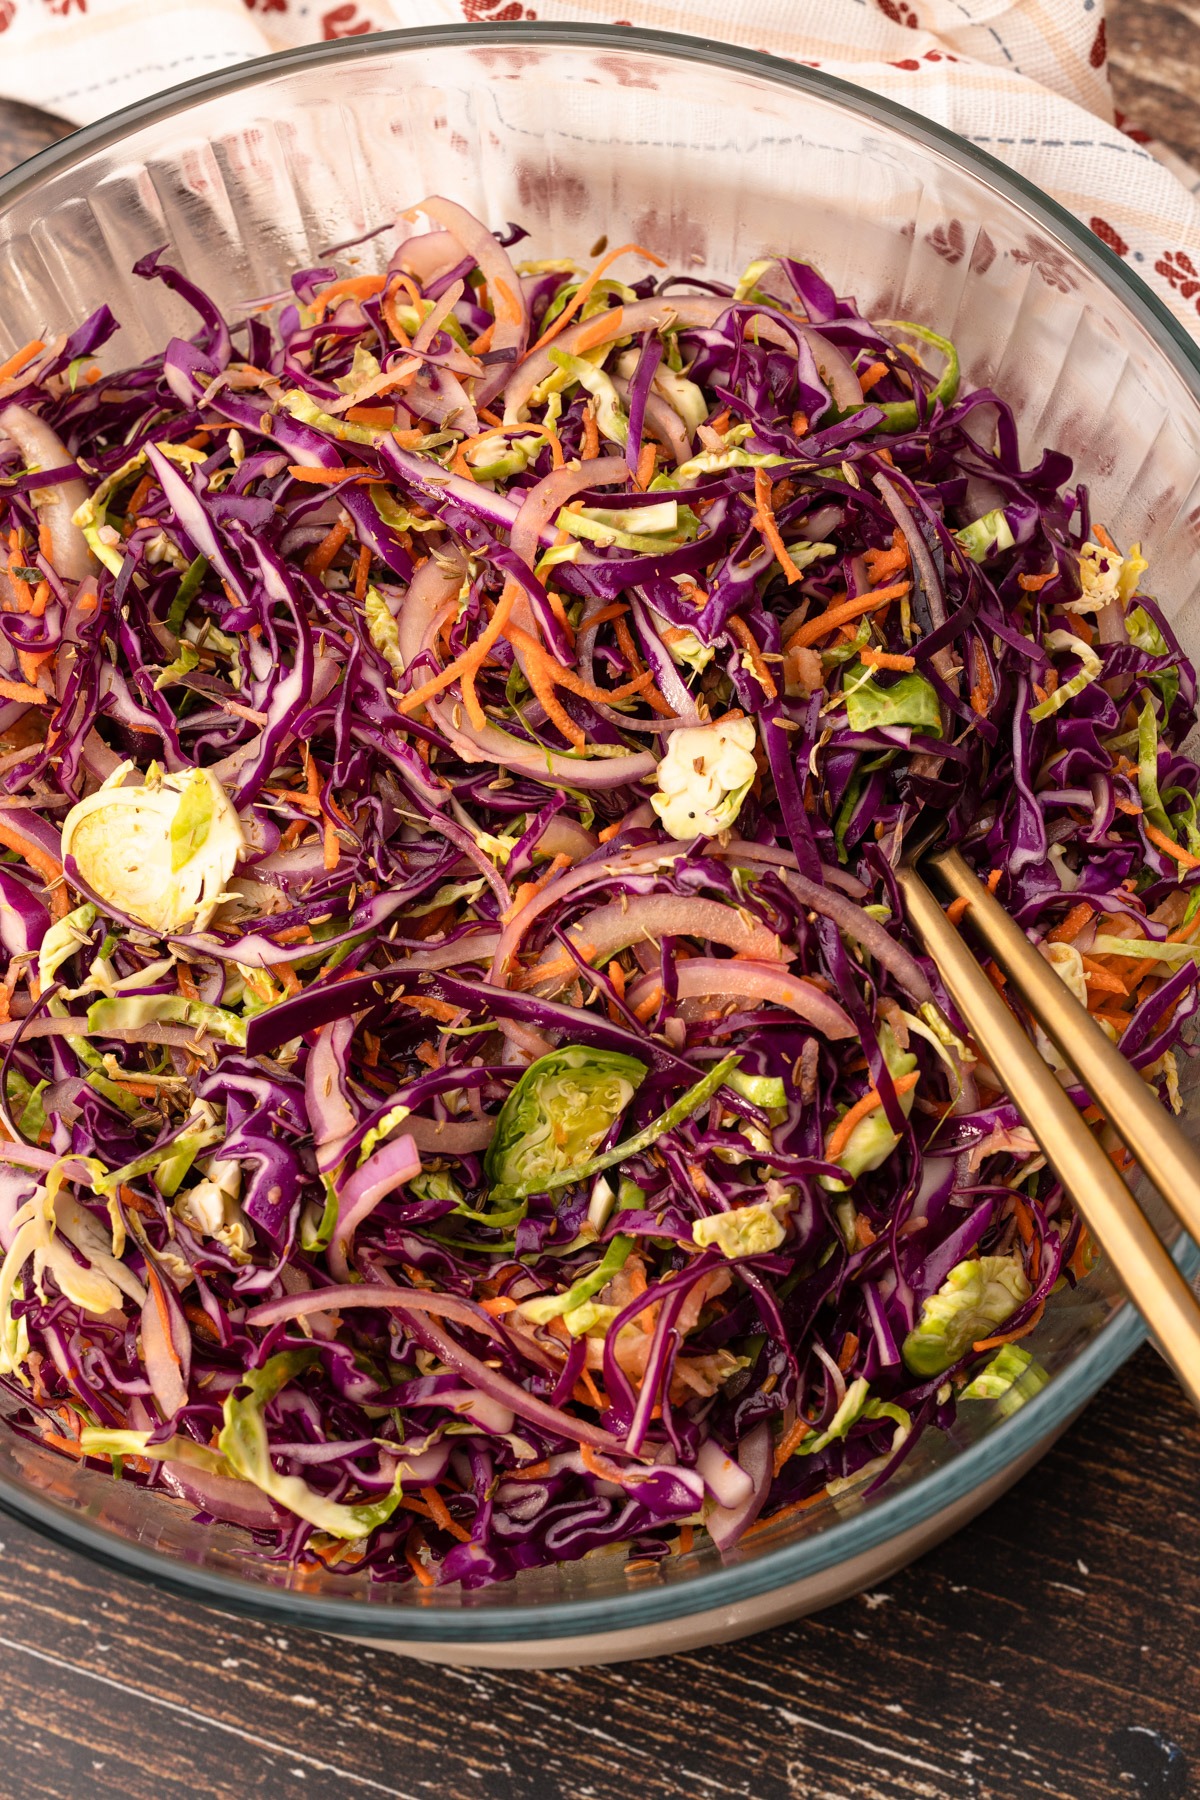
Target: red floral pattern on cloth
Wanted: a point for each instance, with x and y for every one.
(1108, 235)
(495, 11)
(1038, 98)
(1177, 267)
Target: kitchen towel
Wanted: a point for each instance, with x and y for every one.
(1026, 80)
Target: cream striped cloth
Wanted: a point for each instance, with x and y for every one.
(1025, 79)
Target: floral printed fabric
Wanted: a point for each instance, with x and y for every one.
(1025, 79)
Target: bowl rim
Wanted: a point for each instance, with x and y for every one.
(1036, 1422)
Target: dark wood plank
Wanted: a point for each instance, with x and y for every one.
(1011, 1663)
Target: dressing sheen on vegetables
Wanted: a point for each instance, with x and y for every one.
(471, 1097)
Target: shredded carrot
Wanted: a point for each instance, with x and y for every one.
(1101, 537)
(1097, 976)
(1183, 857)
(19, 358)
(591, 1395)
(848, 1351)
(379, 418)
(686, 1537)
(792, 1437)
(764, 518)
(610, 831)
(882, 565)
(984, 691)
(746, 637)
(584, 290)
(647, 1007)
(530, 1472)
(471, 658)
(784, 1513)
(1011, 1337)
(47, 866)
(500, 1304)
(21, 690)
(164, 1317)
(841, 612)
(362, 573)
(1033, 584)
(647, 458)
(957, 908)
(327, 477)
(839, 1137)
(528, 889)
(994, 879)
(884, 659)
(413, 1545)
(1068, 929)
(589, 448)
(442, 1516)
(322, 554)
(349, 287)
(185, 982)
(869, 377)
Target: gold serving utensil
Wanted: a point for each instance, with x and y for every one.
(1106, 1204)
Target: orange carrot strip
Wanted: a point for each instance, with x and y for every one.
(47, 866)
(1010, 1337)
(885, 659)
(352, 472)
(1033, 584)
(956, 909)
(583, 291)
(839, 1137)
(1101, 537)
(322, 554)
(764, 518)
(1183, 857)
(1068, 929)
(362, 572)
(413, 1559)
(882, 565)
(590, 447)
(871, 376)
(746, 637)
(164, 1317)
(19, 358)
(787, 1445)
(350, 287)
(844, 610)
(21, 690)
(471, 658)
(1098, 976)
(442, 1516)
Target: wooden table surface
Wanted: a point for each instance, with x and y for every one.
(1047, 1650)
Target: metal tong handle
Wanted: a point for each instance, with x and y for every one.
(1140, 1260)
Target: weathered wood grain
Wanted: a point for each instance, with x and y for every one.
(1008, 1665)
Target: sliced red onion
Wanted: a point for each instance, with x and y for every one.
(611, 867)
(451, 1137)
(554, 768)
(645, 918)
(160, 1360)
(726, 1480)
(442, 1306)
(383, 1172)
(504, 284)
(427, 255)
(717, 982)
(42, 448)
(873, 936)
(330, 1113)
(756, 1460)
(670, 682)
(741, 850)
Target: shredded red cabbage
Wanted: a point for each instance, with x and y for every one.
(471, 1096)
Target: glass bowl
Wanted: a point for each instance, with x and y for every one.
(709, 154)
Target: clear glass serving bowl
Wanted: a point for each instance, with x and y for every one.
(710, 155)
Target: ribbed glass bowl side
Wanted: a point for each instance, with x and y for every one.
(709, 156)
